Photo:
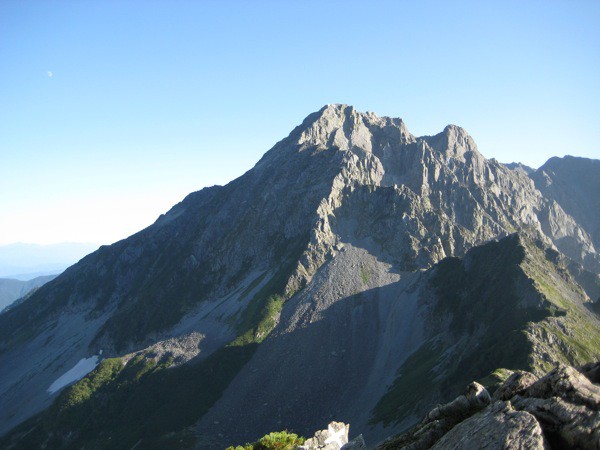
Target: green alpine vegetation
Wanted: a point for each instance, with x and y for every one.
(282, 440)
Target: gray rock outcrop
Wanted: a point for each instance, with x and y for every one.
(335, 437)
(515, 384)
(358, 443)
(441, 419)
(498, 427)
(559, 410)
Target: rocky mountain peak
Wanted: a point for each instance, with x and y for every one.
(376, 140)
(517, 166)
(339, 149)
(453, 142)
(345, 128)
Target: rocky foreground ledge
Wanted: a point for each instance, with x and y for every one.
(558, 411)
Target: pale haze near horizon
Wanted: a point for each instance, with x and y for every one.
(112, 112)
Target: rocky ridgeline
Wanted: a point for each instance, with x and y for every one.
(559, 410)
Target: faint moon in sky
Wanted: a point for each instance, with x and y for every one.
(50, 74)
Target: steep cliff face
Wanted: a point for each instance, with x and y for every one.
(302, 279)
(571, 183)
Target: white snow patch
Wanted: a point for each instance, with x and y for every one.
(80, 370)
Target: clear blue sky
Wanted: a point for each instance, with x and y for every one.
(112, 111)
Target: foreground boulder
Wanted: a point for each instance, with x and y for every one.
(497, 427)
(559, 410)
(441, 419)
(567, 406)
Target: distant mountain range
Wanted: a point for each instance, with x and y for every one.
(357, 273)
(27, 261)
(11, 289)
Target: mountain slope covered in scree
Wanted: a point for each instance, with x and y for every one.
(355, 271)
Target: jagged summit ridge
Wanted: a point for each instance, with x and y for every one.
(453, 142)
(446, 172)
(342, 127)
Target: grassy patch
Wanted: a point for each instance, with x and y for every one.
(364, 275)
(282, 440)
(578, 335)
(71, 399)
(258, 331)
(262, 312)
